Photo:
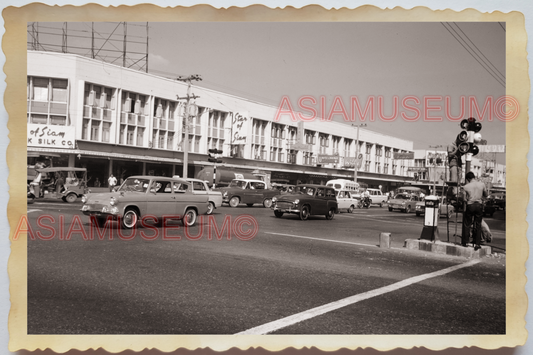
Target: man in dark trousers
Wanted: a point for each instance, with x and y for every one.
(474, 192)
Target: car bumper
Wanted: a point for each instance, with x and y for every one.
(286, 209)
(106, 210)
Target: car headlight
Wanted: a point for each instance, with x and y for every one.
(274, 199)
(84, 199)
(112, 201)
(403, 203)
(225, 194)
(296, 201)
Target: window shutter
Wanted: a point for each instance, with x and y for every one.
(91, 98)
(127, 105)
(103, 97)
(137, 107)
(159, 111)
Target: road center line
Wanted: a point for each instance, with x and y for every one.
(314, 312)
(323, 240)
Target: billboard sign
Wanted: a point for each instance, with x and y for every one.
(51, 136)
(408, 155)
(240, 125)
(328, 159)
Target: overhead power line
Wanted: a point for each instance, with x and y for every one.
(464, 43)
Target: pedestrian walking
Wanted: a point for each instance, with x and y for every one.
(112, 182)
(474, 191)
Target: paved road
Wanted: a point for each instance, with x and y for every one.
(292, 277)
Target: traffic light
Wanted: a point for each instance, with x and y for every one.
(214, 156)
(473, 136)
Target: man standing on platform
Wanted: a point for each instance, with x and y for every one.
(474, 192)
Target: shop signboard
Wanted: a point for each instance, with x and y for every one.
(492, 148)
(328, 159)
(240, 125)
(413, 169)
(349, 162)
(436, 158)
(51, 136)
(408, 155)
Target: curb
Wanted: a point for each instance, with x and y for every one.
(443, 248)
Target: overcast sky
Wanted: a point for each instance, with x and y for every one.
(266, 61)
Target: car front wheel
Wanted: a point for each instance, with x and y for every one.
(234, 202)
(278, 214)
(189, 219)
(304, 213)
(71, 198)
(350, 209)
(130, 218)
(408, 209)
(267, 202)
(330, 214)
(390, 209)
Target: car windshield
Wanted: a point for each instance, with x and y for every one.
(238, 183)
(402, 197)
(134, 184)
(305, 190)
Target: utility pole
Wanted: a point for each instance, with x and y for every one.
(188, 80)
(435, 168)
(357, 150)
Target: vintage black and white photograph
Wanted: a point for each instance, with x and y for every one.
(267, 178)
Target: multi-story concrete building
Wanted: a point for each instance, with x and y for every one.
(110, 119)
(430, 167)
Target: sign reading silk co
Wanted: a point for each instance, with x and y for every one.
(240, 124)
(51, 136)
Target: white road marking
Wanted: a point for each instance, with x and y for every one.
(314, 312)
(320, 239)
(33, 210)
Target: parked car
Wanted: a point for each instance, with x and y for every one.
(445, 209)
(377, 197)
(498, 200)
(404, 202)
(307, 200)
(489, 208)
(140, 196)
(247, 191)
(346, 201)
(199, 187)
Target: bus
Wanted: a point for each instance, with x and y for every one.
(343, 184)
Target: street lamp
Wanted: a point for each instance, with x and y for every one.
(357, 150)
(435, 168)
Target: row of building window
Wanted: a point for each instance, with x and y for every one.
(48, 104)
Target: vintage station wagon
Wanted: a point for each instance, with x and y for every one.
(307, 200)
(141, 196)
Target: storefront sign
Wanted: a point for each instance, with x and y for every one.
(398, 155)
(436, 158)
(48, 136)
(349, 162)
(491, 148)
(328, 159)
(416, 170)
(239, 127)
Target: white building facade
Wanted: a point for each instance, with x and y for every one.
(109, 119)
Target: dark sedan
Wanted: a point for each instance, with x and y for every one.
(307, 200)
